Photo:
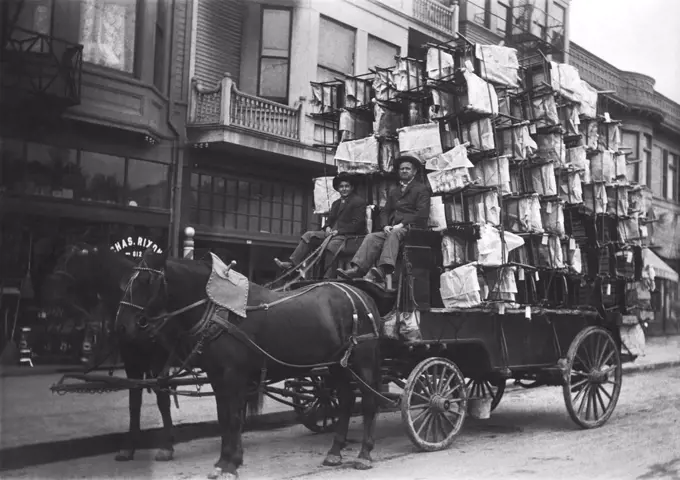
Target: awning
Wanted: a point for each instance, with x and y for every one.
(661, 268)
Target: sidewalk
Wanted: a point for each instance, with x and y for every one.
(40, 427)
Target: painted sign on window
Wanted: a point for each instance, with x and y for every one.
(135, 246)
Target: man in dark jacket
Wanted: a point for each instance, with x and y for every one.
(347, 217)
(408, 204)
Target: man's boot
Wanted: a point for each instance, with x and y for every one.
(351, 273)
(283, 265)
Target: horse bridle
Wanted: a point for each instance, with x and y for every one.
(143, 320)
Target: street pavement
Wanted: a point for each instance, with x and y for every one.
(529, 436)
(39, 427)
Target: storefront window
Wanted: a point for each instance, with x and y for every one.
(51, 171)
(147, 184)
(104, 177)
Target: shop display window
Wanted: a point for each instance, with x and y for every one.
(104, 177)
(147, 184)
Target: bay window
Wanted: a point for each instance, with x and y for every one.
(107, 32)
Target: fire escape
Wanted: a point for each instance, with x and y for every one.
(534, 33)
(41, 74)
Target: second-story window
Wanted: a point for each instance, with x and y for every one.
(381, 53)
(31, 16)
(159, 64)
(631, 142)
(107, 32)
(336, 50)
(275, 54)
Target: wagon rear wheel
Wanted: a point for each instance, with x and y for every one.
(486, 388)
(321, 414)
(434, 403)
(593, 377)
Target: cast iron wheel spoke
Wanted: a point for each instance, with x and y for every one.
(583, 400)
(594, 403)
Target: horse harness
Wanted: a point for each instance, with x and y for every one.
(215, 321)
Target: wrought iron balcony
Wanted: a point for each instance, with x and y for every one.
(436, 14)
(228, 107)
(39, 67)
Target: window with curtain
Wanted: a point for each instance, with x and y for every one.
(147, 184)
(337, 43)
(381, 53)
(275, 54)
(107, 32)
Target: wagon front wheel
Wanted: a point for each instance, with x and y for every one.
(592, 382)
(321, 414)
(434, 403)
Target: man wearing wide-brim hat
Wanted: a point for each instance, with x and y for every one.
(408, 205)
(347, 217)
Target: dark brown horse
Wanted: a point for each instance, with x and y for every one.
(91, 278)
(311, 326)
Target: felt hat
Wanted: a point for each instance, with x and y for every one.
(407, 158)
(344, 177)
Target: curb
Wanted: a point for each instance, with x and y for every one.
(58, 451)
(632, 368)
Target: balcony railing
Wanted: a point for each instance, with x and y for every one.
(436, 14)
(226, 106)
(41, 65)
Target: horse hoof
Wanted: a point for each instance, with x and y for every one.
(125, 455)
(332, 460)
(221, 474)
(363, 464)
(164, 455)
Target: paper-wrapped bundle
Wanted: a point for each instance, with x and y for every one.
(602, 166)
(542, 179)
(551, 148)
(577, 157)
(358, 156)
(384, 85)
(439, 64)
(386, 122)
(490, 249)
(523, 214)
(479, 96)
(353, 126)
(588, 100)
(595, 198)
(493, 172)
(617, 200)
(324, 195)
(502, 286)
(589, 133)
(357, 92)
(443, 181)
(408, 75)
(569, 119)
(572, 253)
(620, 167)
(389, 150)
(639, 200)
(498, 64)
(437, 219)
(549, 249)
(565, 79)
(515, 142)
(420, 141)
(484, 208)
(609, 136)
(478, 134)
(552, 217)
(457, 251)
(454, 210)
(442, 104)
(460, 287)
(571, 189)
(544, 110)
(628, 230)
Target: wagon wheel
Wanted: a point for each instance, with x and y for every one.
(321, 414)
(434, 403)
(486, 388)
(592, 378)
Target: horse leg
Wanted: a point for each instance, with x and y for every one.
(369, 371)
(346, 401)
(166, 450)
(127, 452)
(230, 400)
